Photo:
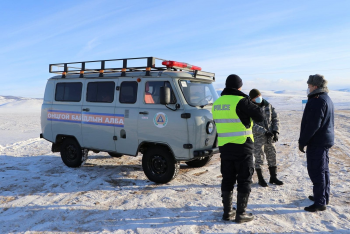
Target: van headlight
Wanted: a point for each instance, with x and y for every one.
(210, 127)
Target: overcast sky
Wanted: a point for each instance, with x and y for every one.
(271, 45)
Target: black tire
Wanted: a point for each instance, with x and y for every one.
(200, 162)
(115, 155)
(71, 153)
(159, 165)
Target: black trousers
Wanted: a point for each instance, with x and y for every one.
(237, 166)
(317, 167)
(237, 169)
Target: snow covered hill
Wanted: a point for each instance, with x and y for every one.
(14, 104)
(19, 119)
(39, 194)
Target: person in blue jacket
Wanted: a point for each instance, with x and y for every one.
(317, 133)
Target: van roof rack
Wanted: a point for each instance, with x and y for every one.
(109, 66)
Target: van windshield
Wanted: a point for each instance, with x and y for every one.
(198, 93)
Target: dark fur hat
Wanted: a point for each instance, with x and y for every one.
(317, 80)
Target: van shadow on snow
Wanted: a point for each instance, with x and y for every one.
(97, 220)
(48, 174)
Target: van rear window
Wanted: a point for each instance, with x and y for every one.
(68, 92)
(128, 92)
(100, 92)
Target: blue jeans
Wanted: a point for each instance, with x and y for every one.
(317, 167)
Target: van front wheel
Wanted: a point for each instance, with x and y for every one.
(159, 165)
(71, 153)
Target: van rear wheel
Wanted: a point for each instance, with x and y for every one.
(159, 165)
(71, 153)
(200, 162)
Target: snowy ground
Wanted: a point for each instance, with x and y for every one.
(39, 194)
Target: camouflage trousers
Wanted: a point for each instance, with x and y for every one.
(263, 147)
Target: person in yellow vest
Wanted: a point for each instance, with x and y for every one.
(233, 114)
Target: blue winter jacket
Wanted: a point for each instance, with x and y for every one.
(317, 125)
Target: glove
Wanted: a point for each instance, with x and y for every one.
(275, 136)
(301, 148)
(268, 134)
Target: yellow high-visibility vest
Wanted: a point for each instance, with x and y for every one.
(228, 125)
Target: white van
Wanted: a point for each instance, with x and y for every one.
(162, 111)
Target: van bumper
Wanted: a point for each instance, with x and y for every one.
(204, 153)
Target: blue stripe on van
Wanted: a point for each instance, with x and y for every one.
(62, 120)
(71, 121)
(115, 125)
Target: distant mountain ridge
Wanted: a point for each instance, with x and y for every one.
(219, 91)
(344, 90)
(9, 97)
(15, 104)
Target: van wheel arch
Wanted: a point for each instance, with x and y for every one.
(145, 145)
(56, 146)
(199, 162)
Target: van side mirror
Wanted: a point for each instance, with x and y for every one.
(164, 95)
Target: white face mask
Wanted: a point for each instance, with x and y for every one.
(258, 99)
(308, 91)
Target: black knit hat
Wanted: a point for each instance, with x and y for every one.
(254, 93)
(234, 82)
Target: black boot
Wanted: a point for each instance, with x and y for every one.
(313, 199)
(261, 179)
(229, 212)
(273, 176)
(241, 215)
(314, 208)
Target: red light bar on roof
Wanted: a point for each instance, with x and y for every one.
(175, 64)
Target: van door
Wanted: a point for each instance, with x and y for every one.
(65, 114)
(98, 117)
(157, 123)
(128, 108)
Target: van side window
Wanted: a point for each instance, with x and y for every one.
(152, 91)
(128, 92)
(68, 92)
(100, 92)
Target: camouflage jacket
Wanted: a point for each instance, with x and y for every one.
(271, 121)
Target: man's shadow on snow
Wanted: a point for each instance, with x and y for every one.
(98, 220)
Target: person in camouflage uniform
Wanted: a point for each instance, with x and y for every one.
(265, 135)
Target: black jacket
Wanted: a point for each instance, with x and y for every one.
(245, 110)
(317, 125)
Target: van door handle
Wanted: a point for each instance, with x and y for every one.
(144, 112)
(86, 109)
